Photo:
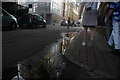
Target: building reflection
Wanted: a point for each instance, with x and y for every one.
(51, 65)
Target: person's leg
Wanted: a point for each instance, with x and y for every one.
(68, 26)
(91, 34)
(116, 34)
(92, 30)
(110, 41)
(108, 30)
(84, 35)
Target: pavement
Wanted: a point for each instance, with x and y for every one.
(96, 57)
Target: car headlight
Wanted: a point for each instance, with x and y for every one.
(44, 21)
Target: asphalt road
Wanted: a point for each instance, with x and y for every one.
(20, 44)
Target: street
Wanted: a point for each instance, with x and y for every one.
(65, 39)
(23, 43)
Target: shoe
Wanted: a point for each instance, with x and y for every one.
(110, 46)
(116, 52)
(83, 43)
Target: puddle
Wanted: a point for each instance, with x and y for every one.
(51, 65)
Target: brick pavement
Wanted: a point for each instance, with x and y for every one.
(95, 57)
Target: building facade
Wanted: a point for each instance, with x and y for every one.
(70, 9)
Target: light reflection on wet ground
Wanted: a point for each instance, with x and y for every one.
(54, 64)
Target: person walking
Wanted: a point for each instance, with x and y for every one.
(108, 23)
(68, 23)
(114, 39)
(89, 19)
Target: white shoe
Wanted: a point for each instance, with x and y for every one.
(83, 43)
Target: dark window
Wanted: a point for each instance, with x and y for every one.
(30, 5)
(42, 15)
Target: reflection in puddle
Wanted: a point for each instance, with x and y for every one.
(51, 65)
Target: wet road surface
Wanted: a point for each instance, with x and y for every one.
(18, 45)
(54, 65)
(51, 64)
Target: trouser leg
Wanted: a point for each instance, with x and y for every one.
(116, 35)
(110, 42)
(108, 29)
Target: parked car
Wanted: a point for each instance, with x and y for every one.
(8, 20)
(77, 24)
(64, 23)
(32, 21)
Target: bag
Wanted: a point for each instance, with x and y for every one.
(89, 7)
